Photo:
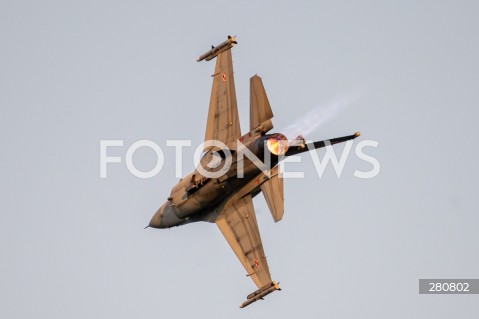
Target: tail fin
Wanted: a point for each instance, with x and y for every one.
(273, 192)
(260, 110)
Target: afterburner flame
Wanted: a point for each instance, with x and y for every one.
(277, 144)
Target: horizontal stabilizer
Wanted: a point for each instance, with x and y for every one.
(273, 191)
(260, 109)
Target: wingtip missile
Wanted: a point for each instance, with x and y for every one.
(215, 50)
(260, 293)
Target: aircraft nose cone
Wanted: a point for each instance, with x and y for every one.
(155, 221)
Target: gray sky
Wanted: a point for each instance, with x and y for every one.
(72, 245)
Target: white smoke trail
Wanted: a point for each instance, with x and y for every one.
(312, 120)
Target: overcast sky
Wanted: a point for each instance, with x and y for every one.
(73, 73)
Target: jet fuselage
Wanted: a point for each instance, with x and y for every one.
(196, 197)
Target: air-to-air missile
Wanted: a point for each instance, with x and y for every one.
(215, 50)
(260, 293)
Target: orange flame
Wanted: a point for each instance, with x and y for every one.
(277, 146)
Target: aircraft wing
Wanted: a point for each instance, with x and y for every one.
(223, 121)
(238, 224)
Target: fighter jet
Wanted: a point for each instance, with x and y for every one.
(234, 169)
